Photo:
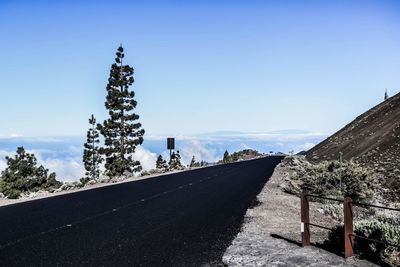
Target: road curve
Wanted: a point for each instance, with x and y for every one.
(182, 219)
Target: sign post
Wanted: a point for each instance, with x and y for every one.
(340, 171)
(170, 146)
(348, 227)
(305, 220)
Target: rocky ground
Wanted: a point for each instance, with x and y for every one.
(271, 233)
(246, 154)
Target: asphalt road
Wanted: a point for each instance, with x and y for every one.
(182, 219)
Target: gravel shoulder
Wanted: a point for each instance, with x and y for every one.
(270, 235)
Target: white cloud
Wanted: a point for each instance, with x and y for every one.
(283, 137)
(279, 144)
(72, 169)
(75, 150)
(278, 136)
(14, 135)
(198, 149)
(147, 159)
(66, 170)
(244, 146)
(304, 147)
(3, 162)
(36, 139)
(64, 156)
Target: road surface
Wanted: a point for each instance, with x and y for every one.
(182, 219)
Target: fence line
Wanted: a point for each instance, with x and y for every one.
(348, 227)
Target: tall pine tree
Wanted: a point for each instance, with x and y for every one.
(122, 132)
(91, 155)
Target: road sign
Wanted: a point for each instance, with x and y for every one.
(170, 143)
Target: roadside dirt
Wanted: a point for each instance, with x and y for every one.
(271, 235)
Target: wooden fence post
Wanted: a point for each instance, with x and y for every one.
(305, 220)
(348, 227)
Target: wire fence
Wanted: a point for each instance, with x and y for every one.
(348, 215)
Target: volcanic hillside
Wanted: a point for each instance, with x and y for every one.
(372, 139)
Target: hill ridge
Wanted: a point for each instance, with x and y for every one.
(372, 139)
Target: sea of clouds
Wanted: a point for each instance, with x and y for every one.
(63, 155)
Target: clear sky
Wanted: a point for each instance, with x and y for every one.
(201, 66)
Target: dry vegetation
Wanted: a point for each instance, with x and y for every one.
(362, 184)
(372, 140)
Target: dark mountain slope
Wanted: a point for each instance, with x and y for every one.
(373, 139)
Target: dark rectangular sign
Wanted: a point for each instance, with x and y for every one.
(170, 143)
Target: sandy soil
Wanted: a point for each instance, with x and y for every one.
(271, 235)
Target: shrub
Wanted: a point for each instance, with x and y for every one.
(331, 178)
(161, 164)
(12, 193)
(334, 210)
(152, 172)
(51, 183)
(391, 187)
(69, 186)
(84, 180)
(175, 162)
(144, 173)
(373, 229)
(24, 175)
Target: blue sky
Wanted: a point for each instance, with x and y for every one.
(252, 66)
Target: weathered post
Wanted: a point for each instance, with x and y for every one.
(305, 220)
(348, 227)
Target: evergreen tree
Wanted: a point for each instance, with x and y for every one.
(161, 164)
(194, 163)
(235, 157)
(122, 132)
(91, 155)
(386, 94)
(175, 161)
(23, 175)
(227, 157)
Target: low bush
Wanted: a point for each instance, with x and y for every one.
(334, 210)
(23, 175)
(12, 193)
(330, 178)
(153, 171)
(391, 188)
(373, 229)
(84, 180)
